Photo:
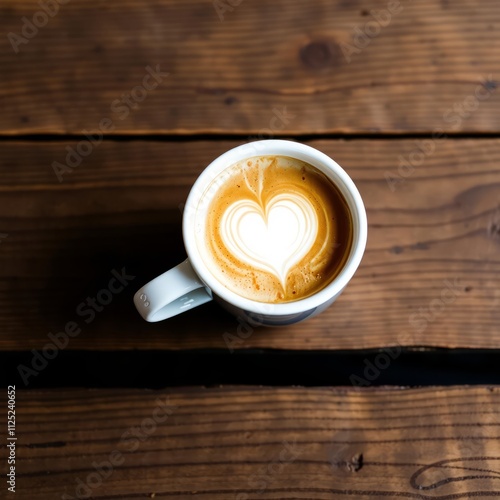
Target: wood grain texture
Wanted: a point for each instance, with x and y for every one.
(412, 72)
(121, 208)
(249, 443)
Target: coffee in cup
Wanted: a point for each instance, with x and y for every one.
(273, 229)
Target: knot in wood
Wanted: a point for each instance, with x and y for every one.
(320, 54)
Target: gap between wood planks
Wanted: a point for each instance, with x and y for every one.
(156, 369)
(214, 136)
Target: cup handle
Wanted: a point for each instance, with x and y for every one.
(171, 293)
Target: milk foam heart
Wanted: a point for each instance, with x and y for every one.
(273, 238)
(273, 229)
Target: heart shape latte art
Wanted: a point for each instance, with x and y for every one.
(273, 239)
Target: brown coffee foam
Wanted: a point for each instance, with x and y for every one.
(260, 179)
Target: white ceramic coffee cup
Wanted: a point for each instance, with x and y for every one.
(191, 283)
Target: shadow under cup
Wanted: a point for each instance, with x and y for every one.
(261, 313)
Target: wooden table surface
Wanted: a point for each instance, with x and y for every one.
(242, 443)
(403, 94)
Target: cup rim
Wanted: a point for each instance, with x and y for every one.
(295, 150)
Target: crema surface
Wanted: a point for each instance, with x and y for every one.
(275, 229)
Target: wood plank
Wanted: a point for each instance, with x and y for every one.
(121, 208)
(242, 443)
(416, 74)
